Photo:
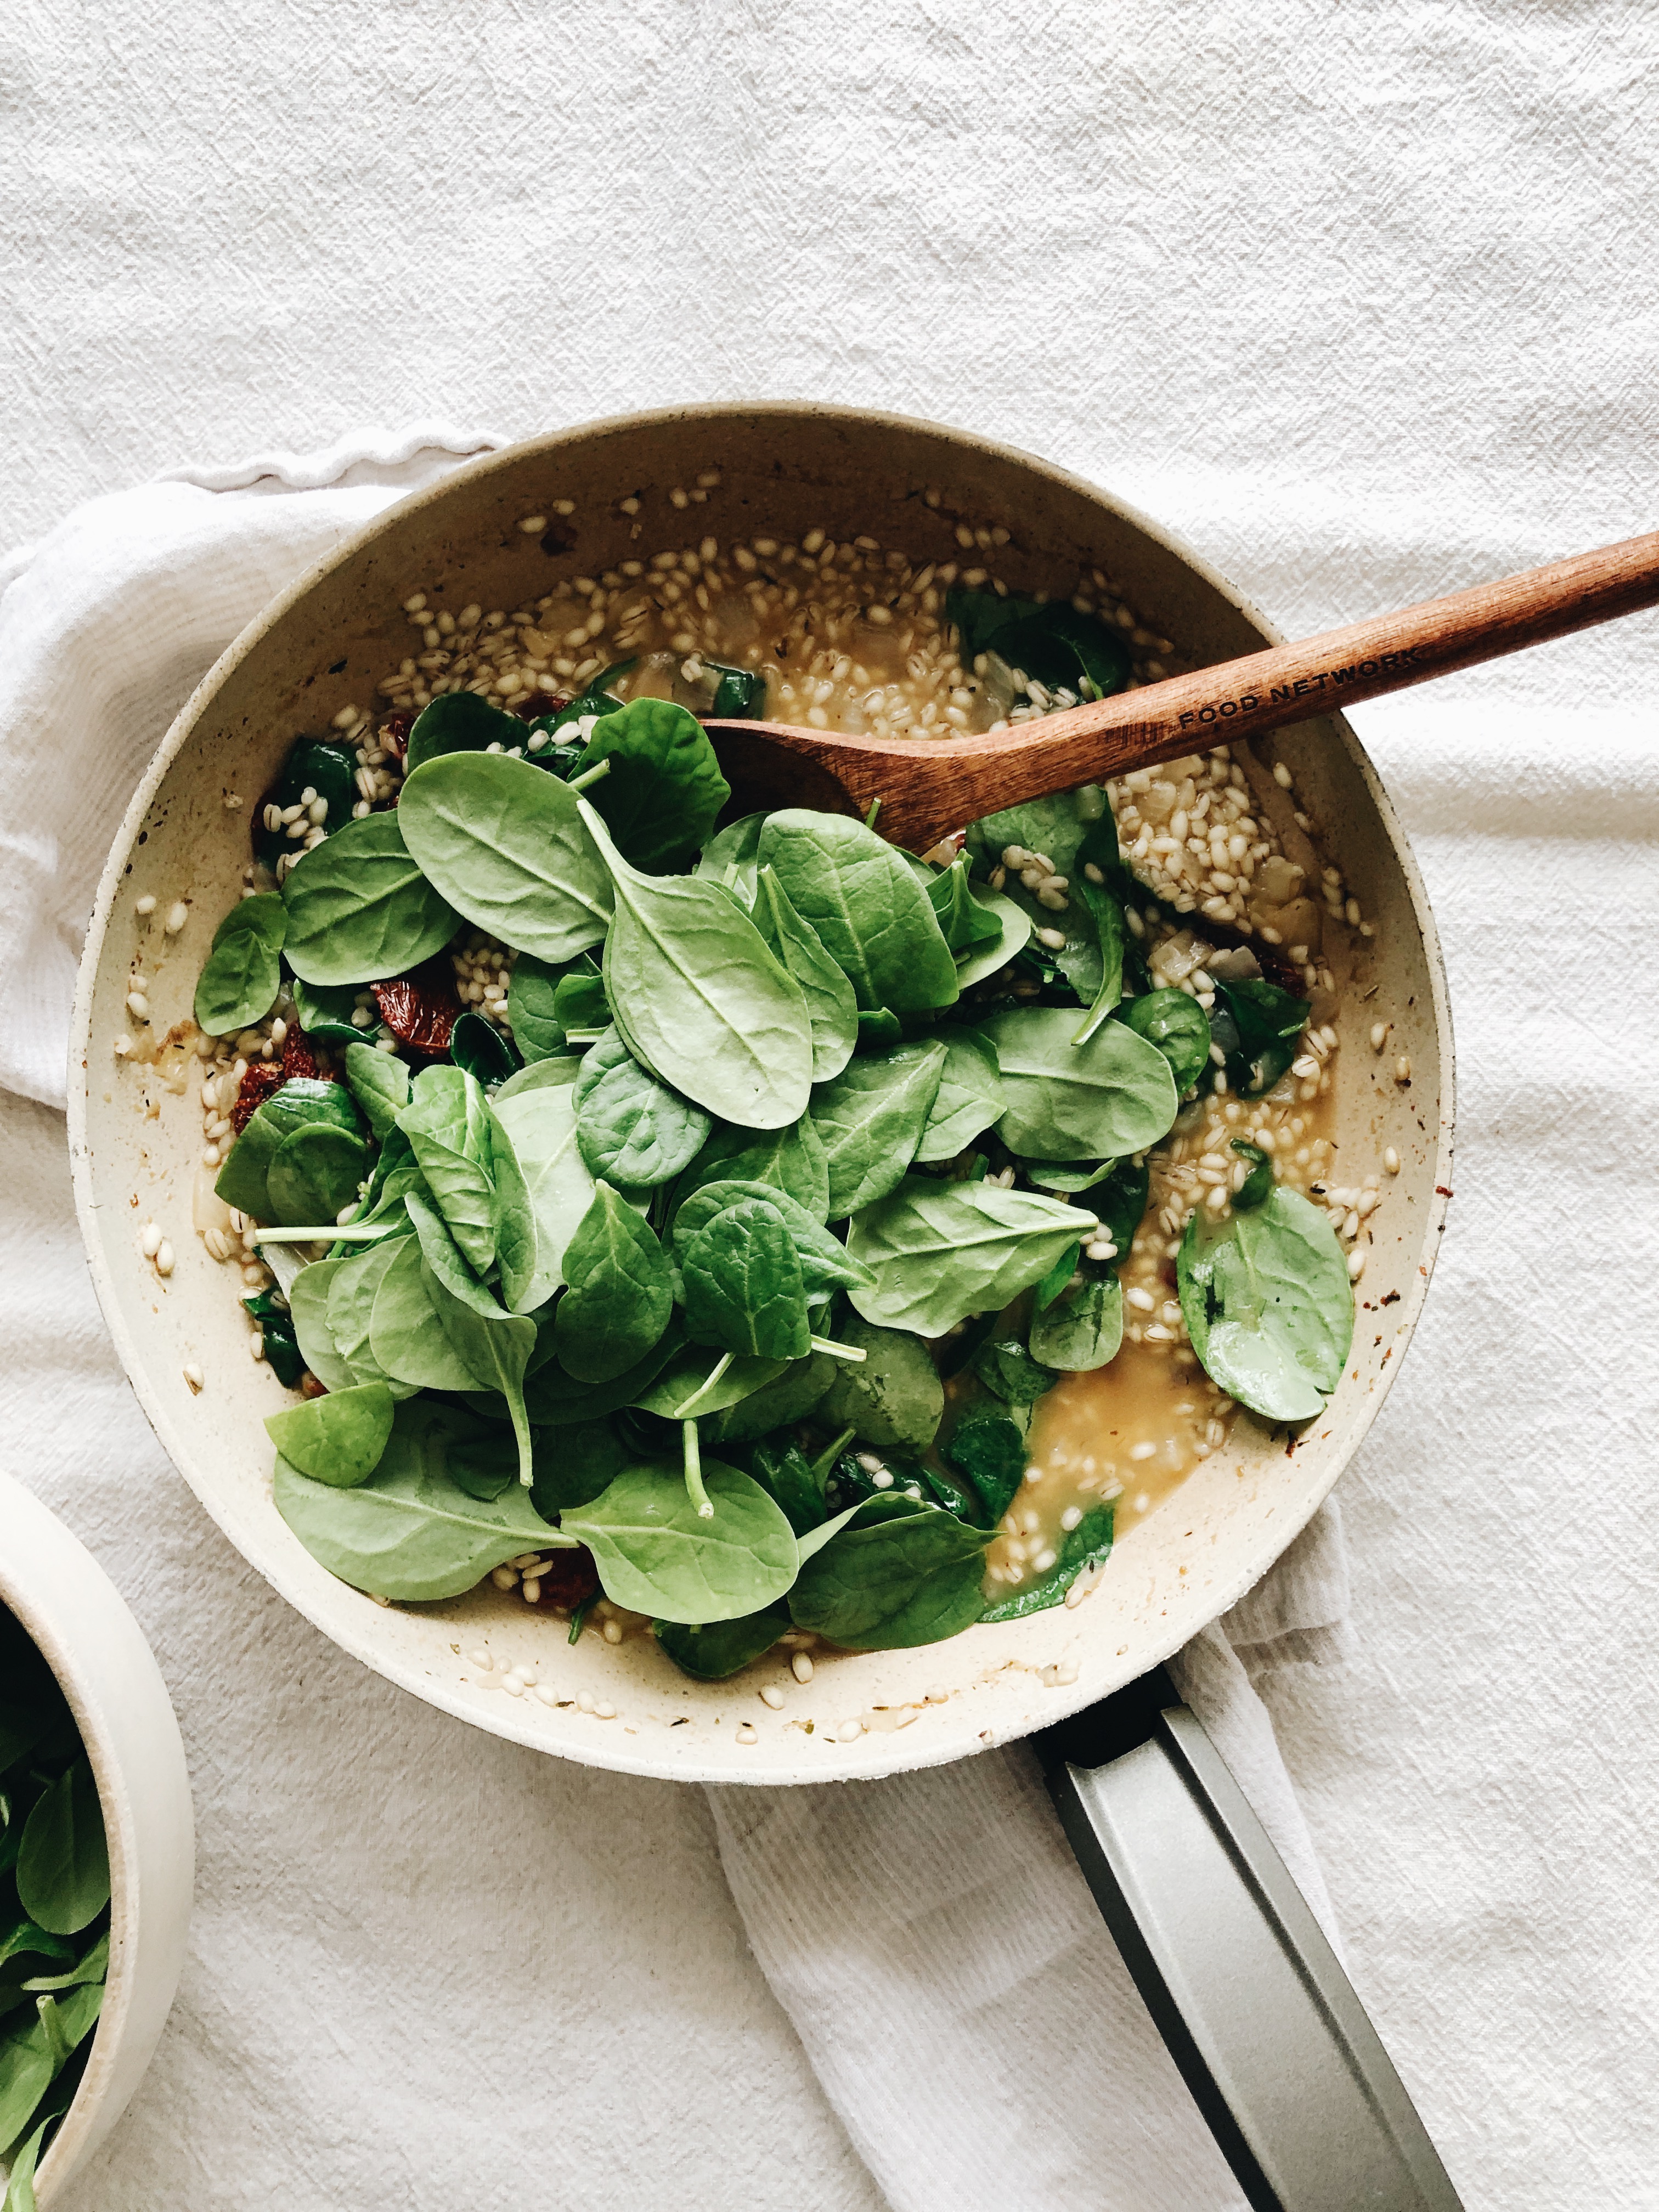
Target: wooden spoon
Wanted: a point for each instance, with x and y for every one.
(930, 785)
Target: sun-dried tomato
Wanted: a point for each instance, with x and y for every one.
(394, 734)
(299, 1056)
(311, 1388)
(568, 1579)
(420, 1010)
(531, 705)
(263, 1077)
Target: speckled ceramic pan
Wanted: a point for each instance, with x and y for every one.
(136, 1131)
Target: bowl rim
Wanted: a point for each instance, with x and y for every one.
(501, 1717)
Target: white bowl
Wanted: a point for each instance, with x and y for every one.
(80, 1624)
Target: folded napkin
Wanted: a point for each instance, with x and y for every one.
(945, 1969)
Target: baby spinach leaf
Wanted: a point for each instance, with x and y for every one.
(409, 1533)
(897, 1575)
(555, 1073)
(1062, 648)
(324, 1013)
(790, 1160)
(825, 1262)
(580, 1004)
(895, 1399)
(574, 1463)
(1055, 1280)
(1009, 1372)
(242, 1181)
(620, 1295)
(1178, 1026)
(989, 1449)
(831, 1008)
(700, 1000)
(786, 1473)
(989, 959)
(518, 1239)
(969, 1098)
(1083, 1327)
(446, 1123)
(460, 722)
(939, 1251)
(1120, 1201)
(1055, 826)
(540, 1123)
(63, 1861)
(507, 847)
(1088, 1545)
(656, 1556)
(480, 1456)
(480, 1048)
(868, 910)
(1268, 1304)
(531, 991)
(742, 1286)
(315, 1174)
(307, 1301)
(698, 1381)
(338, 1439)
(242, 974)
(359, 909)
(632, 1129)
(879, 1028)
(871, 1119)
(281, 1345)
(495, 1347)
(91, 1967)
(315, 768)
(709, 1651)
(20, 2182)
(968, 926)
(353, 1288)
(1259, 1183)
(731, 856)
(665, 791)
(380, 1083)
(1067, 1102)
(794, 1394)
(1105, 915)
(406, 1339)
(1266, 1023)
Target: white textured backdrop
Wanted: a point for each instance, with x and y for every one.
(1360, 298)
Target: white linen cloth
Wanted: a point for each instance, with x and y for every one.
(1360, 300)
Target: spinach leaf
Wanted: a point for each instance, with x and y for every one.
(1178, 1026)
(446, 1123)
(831, 1009)
(786, 1473)
(665, 791)
(989, 1449)
(871, 915)
(699, 998)
(338, 1439)
(871, 1119)
(281, 1345)
(407, 1532)
(990, 959)
(1083, 1327)
(879, 1028)
(1268, 1304)
(62, 1861)
(942, 1250)
(557, 1400)
(1010, 1372)
(574, 1463)
(315, 768)
(969, 1098)
(406, 1339)
(742, 1286)
(325, 1014)
(697, 1381)
(1266, 1023)
(1055, 827)
(790, 1160)
(1258, 1183)
(621, 1291)
(359, 908)
(1052, 641)
(540, 1123)
(656, 1556)
(632, 1129)
(1120, 1201)
(1105, 914)
(479, 1046)
(898, 1575)
(507, 847)
(307, 1302)
(731, 856)
(1067, 1102)
(895, 1399)
(580, 1004)
(791, 1397)
(494, 1345)
(91, 1967)
(709, 1651)
(518, 1236)
(242, 1180)
(380, 1083)
(460, 722)
(530, 993)
(1088, 1545)
(555, 1073)
(968, 926)
(825, 1262)
(243, 973)
(315, 1174)
(353, 1288)
(480, 1456)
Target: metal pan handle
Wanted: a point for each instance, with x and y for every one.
(1251, 2000)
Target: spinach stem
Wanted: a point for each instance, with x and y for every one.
(706, 1385)
(827, 1458)
(589, 776)
(855, 1352)
(47, 2009)
(700, 1497)
(365, 1233)
(578, 1618)
(874, 808)
(515, 1408)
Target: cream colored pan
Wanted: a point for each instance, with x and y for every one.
(135, 1130)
